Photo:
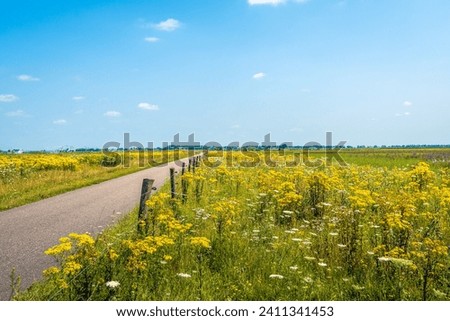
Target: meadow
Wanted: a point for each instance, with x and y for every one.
(376, 229)
(26, 178)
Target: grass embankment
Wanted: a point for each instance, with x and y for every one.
(360, 232)
(31, 177)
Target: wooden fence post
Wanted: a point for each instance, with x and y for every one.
(172, 182)
(184, 187)
(145, 193)
(183, 168)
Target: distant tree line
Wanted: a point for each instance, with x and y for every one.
(231, 147)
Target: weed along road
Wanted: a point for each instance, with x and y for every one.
(27, 231)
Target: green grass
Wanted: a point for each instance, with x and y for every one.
(436, 157)
(390, 158)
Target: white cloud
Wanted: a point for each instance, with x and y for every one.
(16, 113)
(60, 122)
(78, 98)
(402, 114)
(271, 2)
(259, 75)
(151, 39)
(407, 103)
(112, 113)
(27, 78)
(148, 106)
(236, 126)
(168, 25)
(8, 98)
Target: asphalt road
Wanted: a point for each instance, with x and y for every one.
(27, 231)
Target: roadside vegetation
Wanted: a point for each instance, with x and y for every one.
(27, 178)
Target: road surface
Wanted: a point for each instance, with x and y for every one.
(27, 231)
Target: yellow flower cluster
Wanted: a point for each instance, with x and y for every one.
(39, 162)
(71, 267)
(422, 175)
(223, 213)
(288, 197)
(161, 218)
(200, 241)
(74, 252)
(141, 247)
(361, 199)
(82, 240)
(65, 245)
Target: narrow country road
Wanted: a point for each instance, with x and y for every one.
(27, 231)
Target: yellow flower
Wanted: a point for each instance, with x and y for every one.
(361, 199)
(158, 200)
(113, 255)
(436, 246)
(395, 221)
(175, 225)
(82, 239)
(51, 271)
(71, 268)
(136, 264)
(201, 241)
(139, 248)
(64, 246)
(62, 284)
(422, 175)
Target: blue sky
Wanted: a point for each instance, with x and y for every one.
(83, 73)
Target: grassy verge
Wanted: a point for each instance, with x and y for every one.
(110, 237)
(27, 184)
(37, 186)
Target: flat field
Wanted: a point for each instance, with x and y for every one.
(240, 228)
